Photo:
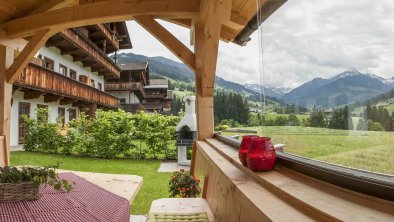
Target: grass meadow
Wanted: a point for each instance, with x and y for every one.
(372, 151)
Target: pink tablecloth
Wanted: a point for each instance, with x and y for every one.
(86, 202)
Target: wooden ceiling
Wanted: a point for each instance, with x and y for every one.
(13, 10)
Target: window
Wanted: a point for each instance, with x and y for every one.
(49, 63)
(92, 83)
(72, 114)
(63, 70)
(61, 114)
(73, 74)
(122, 101)
(316, 105)
(100, 86)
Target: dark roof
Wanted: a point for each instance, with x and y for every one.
(135, 66)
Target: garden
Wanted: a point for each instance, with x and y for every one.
(110, 134)
(113, 142)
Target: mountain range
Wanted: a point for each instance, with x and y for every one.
(347, 87)
(168, 68)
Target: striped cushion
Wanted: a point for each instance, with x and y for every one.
(178, 217)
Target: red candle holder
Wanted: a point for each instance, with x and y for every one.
(243, 149)
(261, 155)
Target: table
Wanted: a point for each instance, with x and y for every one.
(86, 202)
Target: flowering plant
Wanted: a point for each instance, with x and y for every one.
(184, 185)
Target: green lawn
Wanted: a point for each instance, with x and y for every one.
(372, 151)
(154, 186)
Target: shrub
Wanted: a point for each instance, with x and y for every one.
(42, 135)
(184, 185)
(221, 128)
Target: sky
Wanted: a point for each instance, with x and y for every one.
(302, 40)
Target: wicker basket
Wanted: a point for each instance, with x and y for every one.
(18, 191)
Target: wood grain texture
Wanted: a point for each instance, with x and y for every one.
(40, 79)
(6, 58)
(233, 196)
(318, 199)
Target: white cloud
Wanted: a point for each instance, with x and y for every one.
(304, 39)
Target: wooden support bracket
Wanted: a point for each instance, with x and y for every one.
(168, 39)
(35, 43)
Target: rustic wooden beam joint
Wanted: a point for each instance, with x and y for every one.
(168, 39)
(27, 54)
(51, 98)
(32, 94)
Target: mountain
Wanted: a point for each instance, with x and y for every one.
(178, 71)
(348, 87)
(277, 92)
(160, 66)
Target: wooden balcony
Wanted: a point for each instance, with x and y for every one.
(133, 108)
(136, 87)
(155, 96)
(102, 36)
(157, 107)
(82, 49)
(40, 79)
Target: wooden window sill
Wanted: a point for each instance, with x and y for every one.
(283, 194)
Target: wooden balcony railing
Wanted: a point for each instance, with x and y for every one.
(155, 96)
(91, 49)
(132, 107)
(126, 86)
(109, 35)
(153, 106)
(41, 79)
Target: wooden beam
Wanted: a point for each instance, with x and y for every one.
(55, 42)
(6, 58)
(66, 101)
(46, 6)
(51, 98)
(207, 35)
(32, 94)
(207, 30)
(69, 51)
(27, 54)
(99, 12)
(168, 39)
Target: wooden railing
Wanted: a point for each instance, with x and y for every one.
(153, 106)
(132, 107)
(45, 80)
(91, 49)
(125, 86)
(109, 35)
(155, 96)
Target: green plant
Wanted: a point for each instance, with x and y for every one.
(37, 175)
(184, 185)
(42, 135)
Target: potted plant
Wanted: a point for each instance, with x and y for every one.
(184, 185)
(22, 183)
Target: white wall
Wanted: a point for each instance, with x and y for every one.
(130, 97)
(52, 111)
(67, 60)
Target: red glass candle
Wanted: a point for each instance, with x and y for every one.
(243, 149)
(261, 154)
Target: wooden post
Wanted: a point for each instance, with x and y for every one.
(6, 59)
(91, 112)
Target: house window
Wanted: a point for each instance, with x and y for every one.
(92, 83)
(63, 70)
(100, 86)
(72, 114)
(61, 114)
(73, 74)
(48, 63)
(122, 101)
